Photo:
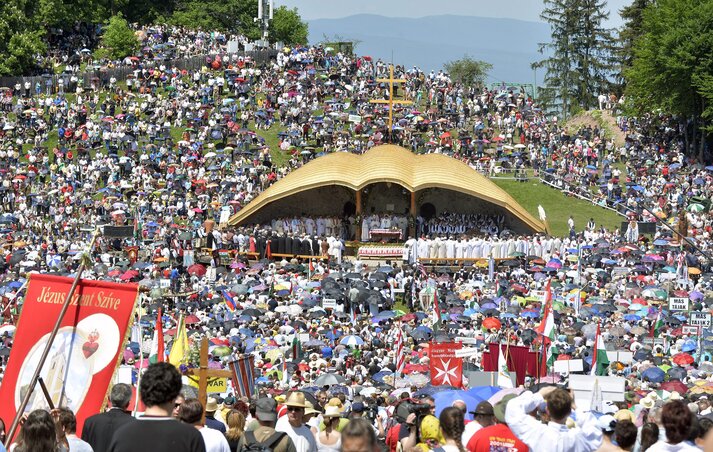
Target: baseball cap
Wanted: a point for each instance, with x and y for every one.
(484, 408)
(357, 407)
(266, 409)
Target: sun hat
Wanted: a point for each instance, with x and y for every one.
(499, 408)
(332, 411)
(212, 405)
(296, 399)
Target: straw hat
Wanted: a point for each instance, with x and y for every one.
(296, 399)
(309, 408)
(332, 411)
(647, 402)
(334, 401)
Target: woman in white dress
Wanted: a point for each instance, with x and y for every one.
(330, 440)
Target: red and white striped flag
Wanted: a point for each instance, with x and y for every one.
(399, 347)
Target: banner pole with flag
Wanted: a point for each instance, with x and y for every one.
(50, 341)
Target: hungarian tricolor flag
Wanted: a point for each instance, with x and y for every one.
(158, 353)
(600, 360)
(658, 324)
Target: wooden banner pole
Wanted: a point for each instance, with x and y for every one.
(48, 346)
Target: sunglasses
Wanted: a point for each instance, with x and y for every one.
(295, 408)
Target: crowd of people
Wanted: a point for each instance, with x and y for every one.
(169, 150)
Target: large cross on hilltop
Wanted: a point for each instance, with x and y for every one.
(391, 80)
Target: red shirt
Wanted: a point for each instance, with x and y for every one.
(497, 437)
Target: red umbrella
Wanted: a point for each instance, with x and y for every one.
(196, 269)
(492, 322)
(564, 357)
(128, 275)
(192, 319)
(683, 359)
(674, 385)
(412, 368)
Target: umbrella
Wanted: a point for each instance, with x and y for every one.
(352, 341)
(683, 359)
(653, 374)
(329, 379)
(492, 322)
(674, 385)
(196, 269)
(445, 399)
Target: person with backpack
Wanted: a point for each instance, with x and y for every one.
(265, 438)
(294, 423)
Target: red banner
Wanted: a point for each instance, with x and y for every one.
(446, 369)
(84, 354)
(520, 360)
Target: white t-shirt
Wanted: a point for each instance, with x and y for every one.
(214, 440)
(302, 436)
(469, 431)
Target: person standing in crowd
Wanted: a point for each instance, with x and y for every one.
(497, 436)
(67, 423)
(676, 419)
(99, 429)
(265, 434)
(210, 420)
(452, 424)
(236, 428)
(359, 436)
(555, 435)
(483, 418)
(157, 430)
(293, 423)
(192, 414)
(329, 439)
(38, 433)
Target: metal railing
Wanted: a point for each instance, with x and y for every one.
(102, 76)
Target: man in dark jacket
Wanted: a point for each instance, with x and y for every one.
(99, 429)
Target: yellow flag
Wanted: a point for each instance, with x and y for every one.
(179, 349)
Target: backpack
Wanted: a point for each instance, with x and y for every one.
(253, 445)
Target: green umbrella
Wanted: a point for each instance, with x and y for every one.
(695, 207)
(221, 351)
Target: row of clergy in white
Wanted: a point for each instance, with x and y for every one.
(484, 247)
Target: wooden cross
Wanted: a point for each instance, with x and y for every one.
(391, 80)
(203, 373)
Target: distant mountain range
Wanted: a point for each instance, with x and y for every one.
(429, 42)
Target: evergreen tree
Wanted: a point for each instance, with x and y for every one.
(118, 40)
(630, 32)
(580, 61)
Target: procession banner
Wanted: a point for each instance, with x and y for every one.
(84, 355)
(446, 368)
(678, 303)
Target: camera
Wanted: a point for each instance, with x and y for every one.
(408, 406)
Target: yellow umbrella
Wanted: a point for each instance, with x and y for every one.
(273, 354)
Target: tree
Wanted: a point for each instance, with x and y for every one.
(20, 38)
(580, 61)
(287, 26)
(672, 67)
(630, 32)
(468, 71)
(118, 40)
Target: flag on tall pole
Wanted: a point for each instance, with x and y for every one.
(296, 349)
(504, 379)
(658, 323)
(547, 327)
(158, 354)
(229, 301)
(179, 349)
(399, 348)
(436, 308)
(600, 360)
(243, 375)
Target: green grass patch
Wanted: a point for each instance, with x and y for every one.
(558, 206)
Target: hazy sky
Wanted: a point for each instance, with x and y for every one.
(514, 9)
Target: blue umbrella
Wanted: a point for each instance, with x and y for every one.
(632, 317)
(530, 314)
(483, 392)
(352, 341)
(379, 376)
(688, 346)
(654, 374)
(444, 399)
